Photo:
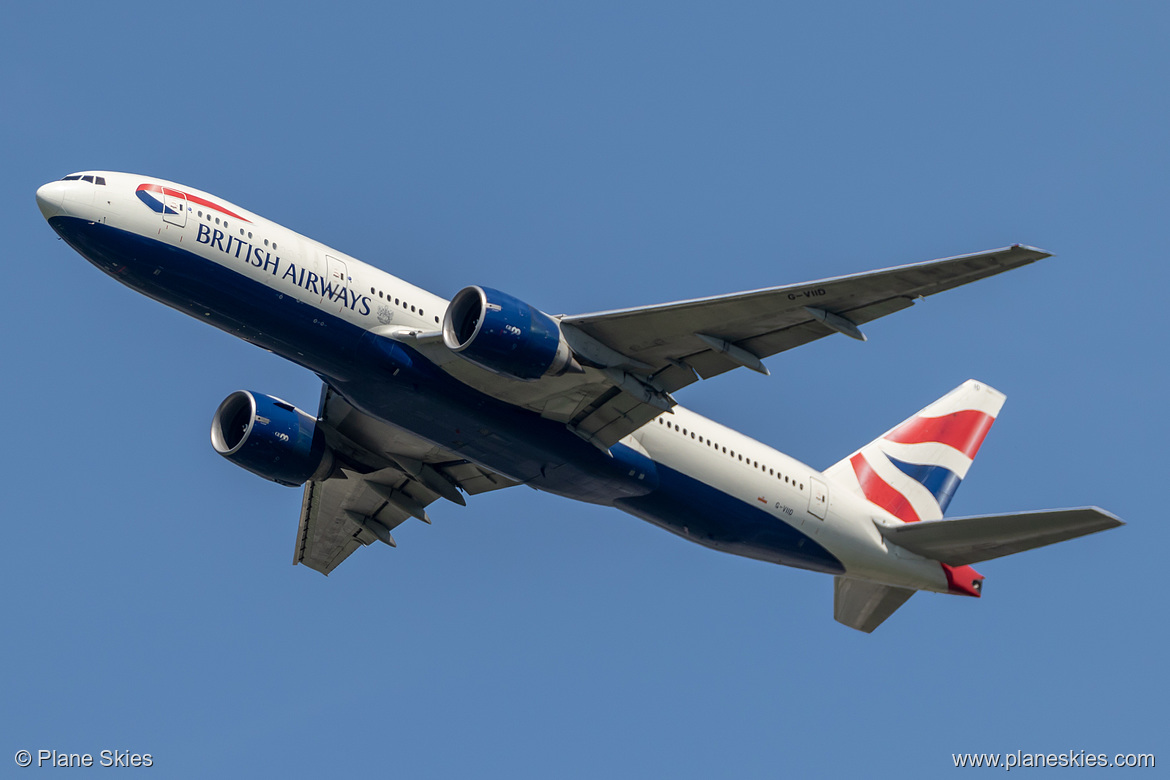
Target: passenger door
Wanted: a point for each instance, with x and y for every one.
(818, 500)
(336, 280)
(174, 207)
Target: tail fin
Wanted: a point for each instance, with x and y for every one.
(913, 470)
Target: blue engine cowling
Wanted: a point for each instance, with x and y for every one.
(505, 335)
(270, 438)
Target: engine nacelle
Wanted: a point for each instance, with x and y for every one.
(505, 335)
(270, 438)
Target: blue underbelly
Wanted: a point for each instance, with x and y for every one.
(706, 515)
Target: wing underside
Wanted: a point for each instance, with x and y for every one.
(389, 477)
(745, 327)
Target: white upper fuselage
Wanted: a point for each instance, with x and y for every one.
(341, 287)
(248, 244)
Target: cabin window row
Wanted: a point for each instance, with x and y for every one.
(224, 224)
(404, 304)
(732, 454)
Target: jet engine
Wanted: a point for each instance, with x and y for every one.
(270, 438)
(505, 335)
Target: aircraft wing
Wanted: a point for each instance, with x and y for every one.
(389, 477)
(708, 336)
(635, 358)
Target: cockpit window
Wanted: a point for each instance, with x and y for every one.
(89, 178)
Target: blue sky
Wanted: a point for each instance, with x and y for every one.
(586, 157)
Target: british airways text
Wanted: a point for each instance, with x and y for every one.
(262, 258)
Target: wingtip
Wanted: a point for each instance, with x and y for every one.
(1116, 522)
(1029, 248)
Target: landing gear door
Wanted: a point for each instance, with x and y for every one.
(336, 283)
(818, 500)
(174, 207)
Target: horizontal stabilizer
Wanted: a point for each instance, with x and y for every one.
(966, 540)
(865, 605)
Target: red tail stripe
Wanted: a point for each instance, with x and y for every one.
(963, 430)
(880, 492)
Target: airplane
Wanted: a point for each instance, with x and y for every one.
(425, 399)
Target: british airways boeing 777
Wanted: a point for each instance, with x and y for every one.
(424, 398)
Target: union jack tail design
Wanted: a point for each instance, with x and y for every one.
(913, 470)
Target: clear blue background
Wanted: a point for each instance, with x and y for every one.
(587, 156)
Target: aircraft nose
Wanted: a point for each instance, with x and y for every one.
(50, 197)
